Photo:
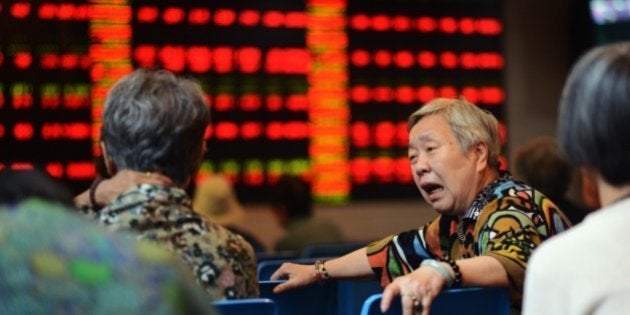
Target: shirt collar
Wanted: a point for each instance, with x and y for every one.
(485, 195)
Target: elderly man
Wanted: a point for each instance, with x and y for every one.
(487, 227)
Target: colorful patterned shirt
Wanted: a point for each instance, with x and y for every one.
(507, 221)
(53, 261)
(223, 262)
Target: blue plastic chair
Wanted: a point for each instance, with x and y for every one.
(469, 301)
(315, 299)
(267, 267)
(247, 307)
(372, 306)
(352, 294)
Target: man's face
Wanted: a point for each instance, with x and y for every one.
(446, 177)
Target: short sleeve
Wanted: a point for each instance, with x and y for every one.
(396, 255)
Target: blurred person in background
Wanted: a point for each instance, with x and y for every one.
(216, 201)
(18, 185)
(540, 164)
(292, 205)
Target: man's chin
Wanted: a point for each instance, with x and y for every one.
(442, 210)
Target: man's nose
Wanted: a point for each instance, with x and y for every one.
(420, 166)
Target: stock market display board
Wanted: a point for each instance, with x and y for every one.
(317, 88)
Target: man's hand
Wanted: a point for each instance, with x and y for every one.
(417, 291)
(296, 275)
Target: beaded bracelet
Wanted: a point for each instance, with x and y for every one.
(320, 268)
(432, 263)
(92, 193)
(457, 281)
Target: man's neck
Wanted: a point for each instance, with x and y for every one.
(609, 194)
(487, 177)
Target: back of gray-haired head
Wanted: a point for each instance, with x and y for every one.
(595, 112)
(469, 123)
(154, 121)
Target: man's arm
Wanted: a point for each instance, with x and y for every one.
(351, 266)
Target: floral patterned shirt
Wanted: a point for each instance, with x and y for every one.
(507, 221)
(223, 263)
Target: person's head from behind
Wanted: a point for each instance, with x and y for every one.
(594, 114)
(19, 185)
(540, 164)
(154, 121)
(216, 200)
(454, 151)
(291, 199)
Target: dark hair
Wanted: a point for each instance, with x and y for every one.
(595, 112)
(540, 164)
(19, 185)
(294, 194)
(154, 121)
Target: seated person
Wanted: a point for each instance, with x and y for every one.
(585, 270)
(152, 144)
(487, 223)
(216, 202)
(540, 164)
(18, 185)
(54, 262)
(292, 206)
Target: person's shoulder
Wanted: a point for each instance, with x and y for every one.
(530, 198)
(139, 268)
(250, 238)
(558, 254)
(218, 234)
(512, 188)
(574, 242)
(129, 200)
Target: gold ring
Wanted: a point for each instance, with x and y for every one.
(148, 174)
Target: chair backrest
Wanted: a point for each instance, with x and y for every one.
(473, 301)
(330, 249)
(247, 307)
(372, 306)
(315, 299)
(352, 293)
(267, 267)
(469, 301)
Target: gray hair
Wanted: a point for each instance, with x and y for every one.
(595, 112)
(469, 123)
(154, 121)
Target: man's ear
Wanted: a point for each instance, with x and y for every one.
(481, 155)
(110, 166)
